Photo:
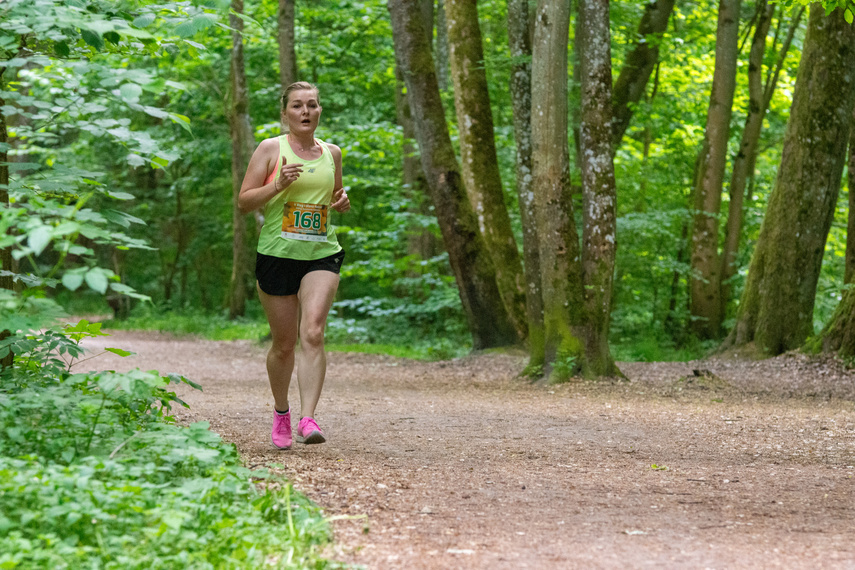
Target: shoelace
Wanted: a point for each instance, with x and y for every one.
(282, 426)
(310, 426)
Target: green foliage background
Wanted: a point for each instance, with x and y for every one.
(179, 171)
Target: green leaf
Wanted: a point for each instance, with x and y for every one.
(144, 20)
(159, 162)
(96, 280)
(121, 195)
(135, 159)
(130, 92)
(182, 121)
(847, 15)
(113, 38)
(72, 280)
(39, 238)
(185, 30)
(92, 39)
(120, 352)
(62, 49)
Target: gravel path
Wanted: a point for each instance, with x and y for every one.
(460, 464)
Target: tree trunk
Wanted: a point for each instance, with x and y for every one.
(287, 46)
(242, 145)
(850, 227)
(705, 279)
(639, 64)
(441, 46)
(560, 264)
(576, 93)
(776, 310)
(519, 38)
(598, 183)
(747, 149)
(421, 242)
(838, 336)
(473, 268)
(743, 165)
(6, 281)
(480, 166)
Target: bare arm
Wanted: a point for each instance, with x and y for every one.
(254, 193)
(340, 201)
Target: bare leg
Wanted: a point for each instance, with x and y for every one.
(317, 291)
(282, 315)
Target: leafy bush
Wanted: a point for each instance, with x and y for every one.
(94, 473)
(214, 326)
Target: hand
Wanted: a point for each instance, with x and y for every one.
(340, 201)
(287, 174)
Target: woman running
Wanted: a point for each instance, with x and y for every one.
(296, 178)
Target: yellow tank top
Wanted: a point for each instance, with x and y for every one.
(297, 220)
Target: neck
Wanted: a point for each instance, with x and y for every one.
(305, 142)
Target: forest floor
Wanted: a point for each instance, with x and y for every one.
(461, 464)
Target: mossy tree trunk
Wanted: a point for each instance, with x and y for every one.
(759, 98)
(6, 281)
(287, 47)
(519, 38)
(639, 63)
(838, 336)
(560, 256)
(441, 47)
(242, 145)
(598, 183)
(479, 164)
(849, 270)
(420, 241)
(471, 263)
(776, 310)
(705, 278)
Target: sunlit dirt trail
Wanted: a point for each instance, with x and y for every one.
(714, 464)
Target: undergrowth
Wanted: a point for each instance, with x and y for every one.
(94, 473)
(395, 329)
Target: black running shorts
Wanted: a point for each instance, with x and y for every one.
(280, 276)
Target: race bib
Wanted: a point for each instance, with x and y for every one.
(305, 222)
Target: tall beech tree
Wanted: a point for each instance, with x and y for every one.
(519, 40)
(479, 164)
(705, 277)
(6, 281)
(759, 98)
(243, 143)
(776, 309)
(576, 282)
(559, 251)
(441, 48)
(849, 269)
(471, 263)
(638, 66)
(287, 48)
(421, 241)
(598, 182)
(838, 336)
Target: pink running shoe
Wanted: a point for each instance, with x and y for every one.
(281, 433)
(309, 432)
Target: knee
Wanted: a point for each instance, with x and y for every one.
(282, 350)
(312, 334)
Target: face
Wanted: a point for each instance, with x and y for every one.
(303, 111)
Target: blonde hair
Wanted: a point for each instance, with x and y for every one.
(299, 86)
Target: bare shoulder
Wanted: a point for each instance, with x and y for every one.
(334, 150)
(268, 146)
